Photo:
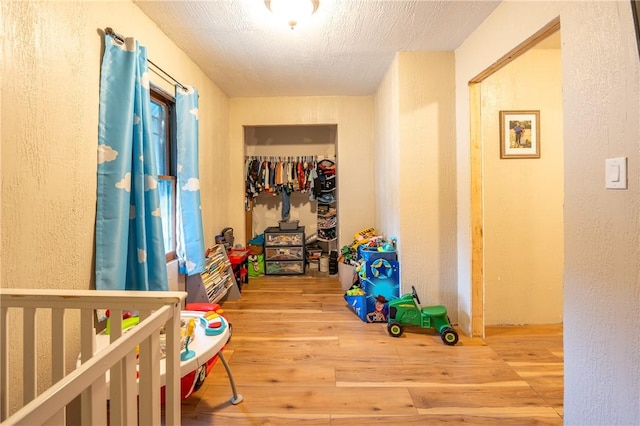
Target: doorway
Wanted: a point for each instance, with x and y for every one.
(516, 207)
(292, 144)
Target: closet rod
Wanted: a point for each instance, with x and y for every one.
(315, 156)
(120, 38)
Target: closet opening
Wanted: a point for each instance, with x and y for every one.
(291, 186)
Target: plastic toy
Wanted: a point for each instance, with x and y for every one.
(407, 311)
(355, 290)
(129, 319)
(188, 353)
(387, 247)
(361, 271)
(211, 323)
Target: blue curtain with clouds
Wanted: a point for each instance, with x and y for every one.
(190, 240)
(130, 251)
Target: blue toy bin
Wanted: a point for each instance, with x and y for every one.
(371, 253)
(382, 278)
(358, 305)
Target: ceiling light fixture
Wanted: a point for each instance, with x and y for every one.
(292, 11)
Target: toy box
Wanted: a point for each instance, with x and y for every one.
(377, 300)
(358, 305)
(371, 253)
(380, 281)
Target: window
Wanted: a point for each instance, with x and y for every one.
(163, 134)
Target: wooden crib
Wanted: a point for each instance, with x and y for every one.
(34, 309)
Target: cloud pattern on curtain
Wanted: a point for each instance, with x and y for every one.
(130, 252)
(190, 240)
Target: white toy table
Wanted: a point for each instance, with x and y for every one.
(205, 347)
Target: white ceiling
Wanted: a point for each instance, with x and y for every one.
(345, 48)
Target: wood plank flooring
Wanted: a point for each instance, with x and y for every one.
(301, 357)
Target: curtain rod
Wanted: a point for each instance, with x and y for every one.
(120, 38)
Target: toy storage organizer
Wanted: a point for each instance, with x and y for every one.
(284, 251)
(380, 281)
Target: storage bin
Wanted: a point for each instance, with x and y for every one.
(283, 238)
(284, 253)
(324, 264)
(346, 274)
(372, 253)
(357, 305)
(284, 267)
(288, 225)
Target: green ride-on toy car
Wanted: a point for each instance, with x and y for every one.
(405, 311)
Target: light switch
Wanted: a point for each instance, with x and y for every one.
(616, 173)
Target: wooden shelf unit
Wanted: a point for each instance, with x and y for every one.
(217, 280)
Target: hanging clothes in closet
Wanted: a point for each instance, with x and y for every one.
(273, 175)
(281, 176)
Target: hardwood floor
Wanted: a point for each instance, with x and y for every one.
(301, 357)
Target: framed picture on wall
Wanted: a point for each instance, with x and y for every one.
(520, 134)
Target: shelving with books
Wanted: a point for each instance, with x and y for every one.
(216, 281)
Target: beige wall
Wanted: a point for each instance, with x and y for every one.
(427, 176)
(523, 222)
(415, 172)
(51, 74)
(387, 154)
(601, 88)
(267, 211)
(354, 159)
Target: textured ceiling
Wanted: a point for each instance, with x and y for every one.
(345, 48)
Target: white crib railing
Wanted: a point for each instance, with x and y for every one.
(89, 379)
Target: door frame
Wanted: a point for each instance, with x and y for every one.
(477, 179)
